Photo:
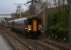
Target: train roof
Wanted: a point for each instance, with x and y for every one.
(19, 19)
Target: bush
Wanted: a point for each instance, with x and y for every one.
(58, 24)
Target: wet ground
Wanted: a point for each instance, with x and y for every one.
(4, 44)
(20, 43)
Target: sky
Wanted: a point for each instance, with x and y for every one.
(9, 6)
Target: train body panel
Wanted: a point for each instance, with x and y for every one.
(29, 26)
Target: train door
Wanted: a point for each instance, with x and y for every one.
(34, 25)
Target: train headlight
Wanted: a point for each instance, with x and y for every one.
(29, 29)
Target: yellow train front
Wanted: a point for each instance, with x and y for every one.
(33, 29)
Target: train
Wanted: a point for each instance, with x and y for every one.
(30, 27)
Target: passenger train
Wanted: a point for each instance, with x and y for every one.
(30, 27)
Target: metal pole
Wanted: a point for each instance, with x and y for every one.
(44, 18)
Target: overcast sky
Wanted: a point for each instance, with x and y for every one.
(8, 6)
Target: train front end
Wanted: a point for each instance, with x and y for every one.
(33, 27)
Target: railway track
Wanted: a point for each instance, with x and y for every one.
(38, 45)
(16, 43)
(58, 44)
(42, 45)
(17, 39)
(46, 45)
(19, 43)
